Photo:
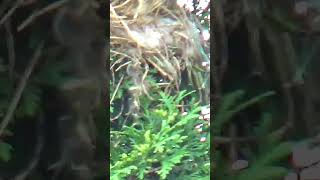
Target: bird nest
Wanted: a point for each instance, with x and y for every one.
(155, 38)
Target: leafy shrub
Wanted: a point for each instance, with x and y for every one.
(163, 142)
(266, 160)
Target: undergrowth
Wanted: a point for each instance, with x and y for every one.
(163, 143)
(267, 155)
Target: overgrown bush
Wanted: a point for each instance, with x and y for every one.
(163, 141)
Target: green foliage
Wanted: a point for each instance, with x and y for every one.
(161, 142)
(265, 165)
(229, 107)
(266, 162)
(52, 73)
(30, 102)
(5, 151)
(151, 136)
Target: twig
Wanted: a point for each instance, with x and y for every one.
(116, 90)
(160, 69)
(220, 49)
(126, 27)
(279, 133)
(11, 11)
(118, 115)
(20, 89)
(122, 65)
(11, 51)
(120, 53)
(121, 5)
(35, 15)
(290, 105)
(217, 87)
(254, 37)
(233, 144)
(153, 170)
(226, 140)
(221, 42)
(4, 5)
(288, 83)
(117, 62)
(143, 85)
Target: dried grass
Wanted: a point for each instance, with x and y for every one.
(153, 34)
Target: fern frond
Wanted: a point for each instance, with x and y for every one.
(168, 163)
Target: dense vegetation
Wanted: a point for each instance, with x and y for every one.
(159, 91)
(46, 104)
(264, 80)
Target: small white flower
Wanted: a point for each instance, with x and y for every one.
(199, 126)
(206, 117)
(205, 110)
(203, 139)
(206, 34)
(205, 64)
(199, 12)
(189, 5)
(184, 113)
(204, 3)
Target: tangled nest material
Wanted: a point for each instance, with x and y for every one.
(155, 35)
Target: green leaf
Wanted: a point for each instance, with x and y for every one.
(265, 125)
(168, 163)
(30, 102)
(5, 151)
(225, 113)
(252, 101)
(278, 153)
(229, 100)
(120, 174)
(52, 73)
